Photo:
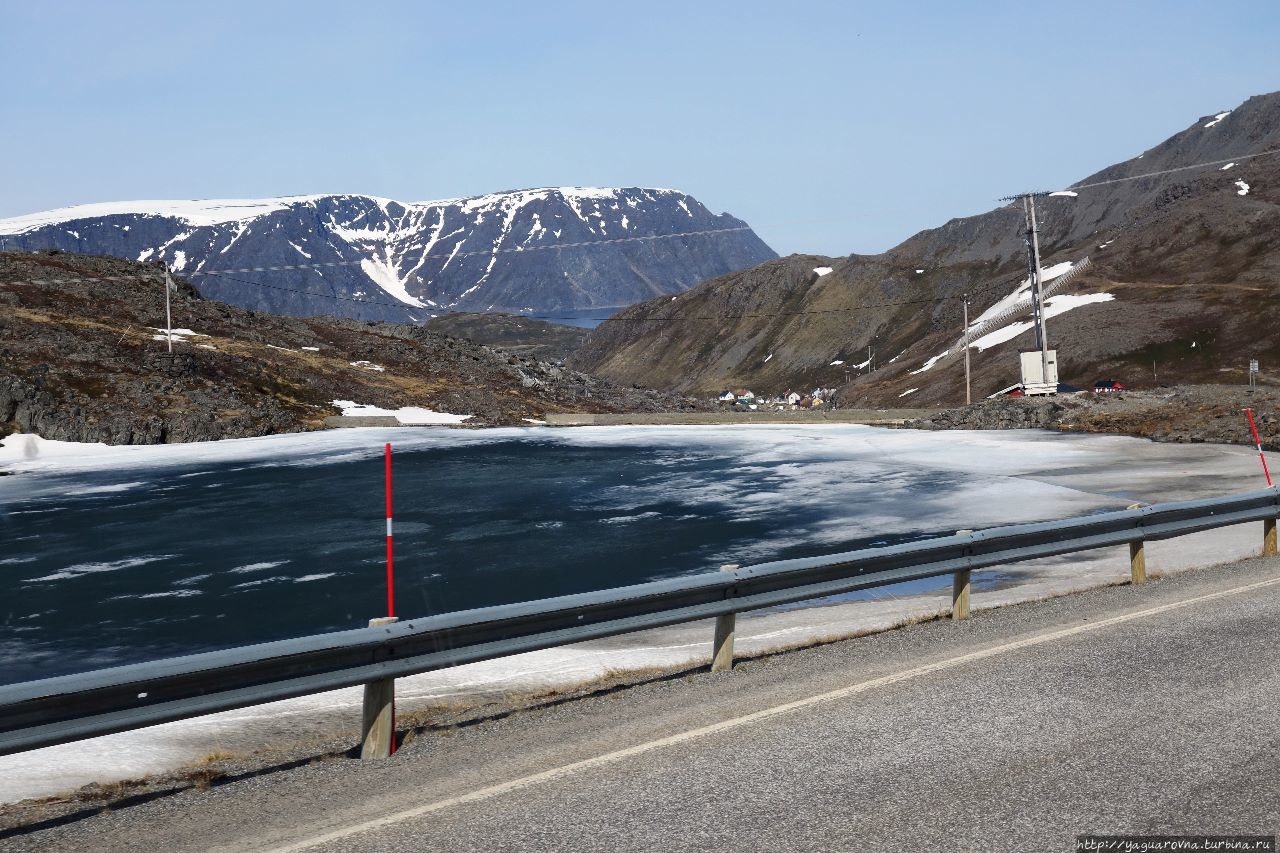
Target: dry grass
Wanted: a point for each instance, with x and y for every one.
(110, 791)
(214, 757)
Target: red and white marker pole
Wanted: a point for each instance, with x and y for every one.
(391, 578)
(1258, 443)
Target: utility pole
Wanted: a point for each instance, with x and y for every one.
(168, 316)
(964, 341)
(1037, 284)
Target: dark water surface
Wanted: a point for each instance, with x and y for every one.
(125, 566)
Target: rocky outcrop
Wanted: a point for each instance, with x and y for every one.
(1184, 414)
(515, 334)
(80, 361)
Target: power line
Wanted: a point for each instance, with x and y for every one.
(403, 305)
(1156, 174)
(228, 273)
(762, 315)
(486, 252)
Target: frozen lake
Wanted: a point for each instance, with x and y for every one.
(116, 555)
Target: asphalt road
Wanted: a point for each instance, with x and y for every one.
(1121, 710)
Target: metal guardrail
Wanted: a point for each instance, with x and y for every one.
(72, 707)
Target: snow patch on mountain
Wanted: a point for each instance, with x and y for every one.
(931, 362)
(383, 273)
(191, 211)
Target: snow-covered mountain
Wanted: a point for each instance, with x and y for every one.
(529, 251)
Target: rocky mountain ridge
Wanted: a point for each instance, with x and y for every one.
(363, 257)
(1181, 287)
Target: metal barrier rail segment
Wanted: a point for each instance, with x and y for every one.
(72, 707)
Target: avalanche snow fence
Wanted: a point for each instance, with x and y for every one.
(72, 707)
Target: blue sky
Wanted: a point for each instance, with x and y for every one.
(830, 127)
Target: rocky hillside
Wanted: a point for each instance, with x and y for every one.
(518, 335)
(1181, 287)
(82, 359)
(373, 258)
(1179, 414)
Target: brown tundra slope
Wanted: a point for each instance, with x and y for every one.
(518, 335)
(79, 362)
(1190, 260)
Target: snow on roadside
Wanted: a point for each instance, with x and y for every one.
(407, 415)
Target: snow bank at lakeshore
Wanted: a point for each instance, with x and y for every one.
(1136, 468)
(407, 415)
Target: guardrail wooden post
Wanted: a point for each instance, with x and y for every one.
(960, 595)
(722, 645)
(960, 589)
(1268, 537)
(1137, 557)
(1138, 562)
(378, 728)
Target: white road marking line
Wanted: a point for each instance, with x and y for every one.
(747, 719)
